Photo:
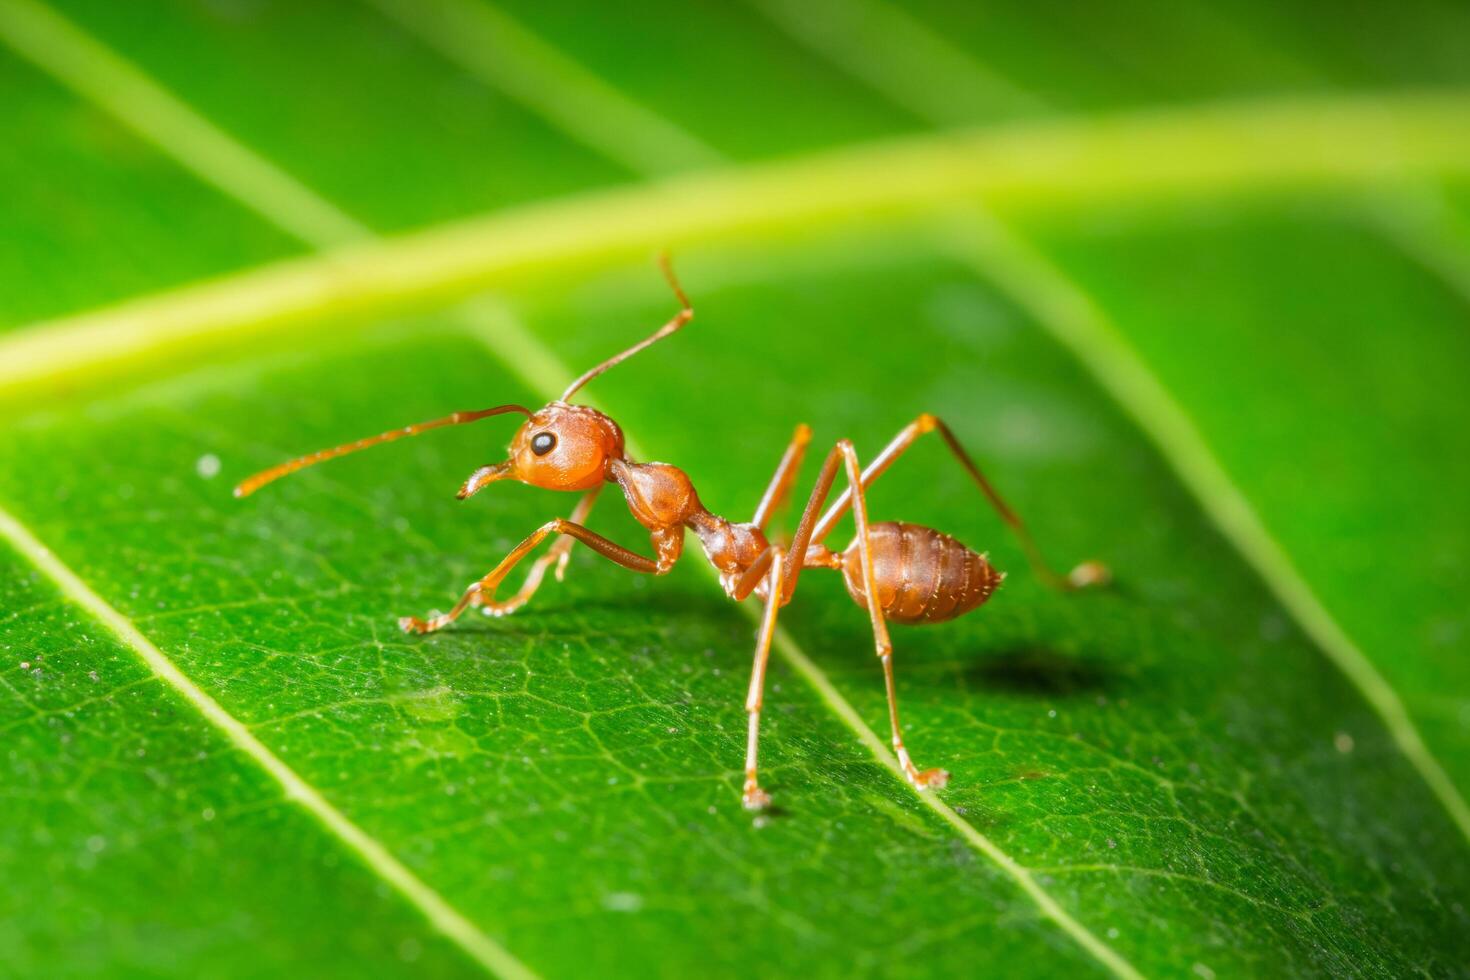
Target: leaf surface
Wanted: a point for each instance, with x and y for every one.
(1167, 777)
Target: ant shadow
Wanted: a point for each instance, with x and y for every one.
(1027, 670)
(1034, 670)
(616, 613)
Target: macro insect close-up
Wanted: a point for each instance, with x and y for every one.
(919, 574)
(944, 489)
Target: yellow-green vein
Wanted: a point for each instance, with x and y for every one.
(1221, 147)
(440, 914)
(875, 42)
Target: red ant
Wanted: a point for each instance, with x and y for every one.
(918, 574)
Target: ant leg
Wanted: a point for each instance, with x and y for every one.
(842, 453)
(558, 554)
(802, 540)
(929, 778)
(1085, 574)
(784, 476)
(668, 546)
(754, 797)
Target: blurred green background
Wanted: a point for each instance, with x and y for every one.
(1192, 281)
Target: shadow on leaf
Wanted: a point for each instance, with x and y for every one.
(1042, 672)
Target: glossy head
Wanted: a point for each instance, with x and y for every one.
(560, 447)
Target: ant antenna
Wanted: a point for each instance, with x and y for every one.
(260, 479)
(685, 314)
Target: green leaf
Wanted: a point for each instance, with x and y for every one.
(1218, 346)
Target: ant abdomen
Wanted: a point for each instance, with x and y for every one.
(922, 575)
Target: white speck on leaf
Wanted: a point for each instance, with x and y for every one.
(622, 902)
(207, 466)
(1344, 742)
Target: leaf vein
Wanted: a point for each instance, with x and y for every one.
(1248, 145)
(435, 909)
(1075, 321)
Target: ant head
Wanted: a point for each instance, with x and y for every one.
(559, 447)
(568, 447)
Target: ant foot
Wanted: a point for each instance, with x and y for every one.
(929, 779)
(412, 624)
(755, 798)
(498, 609)
(1089, 573)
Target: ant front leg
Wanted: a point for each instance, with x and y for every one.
(668, 544)
(753, 796)
(558, 554)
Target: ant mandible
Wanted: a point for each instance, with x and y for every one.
(918, 574)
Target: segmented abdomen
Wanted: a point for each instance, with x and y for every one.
(922, 576)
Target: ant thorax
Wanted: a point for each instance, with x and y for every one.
(659, 495)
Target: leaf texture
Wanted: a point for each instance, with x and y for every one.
(1176, 775)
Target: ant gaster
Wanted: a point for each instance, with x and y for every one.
(918, 574)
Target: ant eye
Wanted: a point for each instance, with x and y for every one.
(543, 443)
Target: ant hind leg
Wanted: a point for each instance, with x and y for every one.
(1089, 573)
(928, 778)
